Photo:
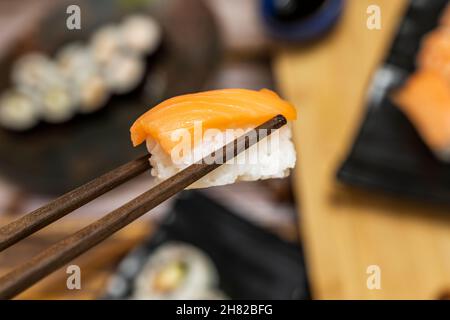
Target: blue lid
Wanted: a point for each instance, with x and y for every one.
(307, 26)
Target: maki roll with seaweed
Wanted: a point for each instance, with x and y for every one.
(176, 271)
(18, 111)
(141, 34)
(78, 64)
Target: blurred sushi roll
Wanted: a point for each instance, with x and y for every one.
(32, 70)
(176, 271)
(123, 72)
(78, 64)
(40, 79)
(57, 104)
(18, 111)
(55, 100)
(141, 34)
(105, 43)
(93, 92)
(82, 77)
(73, 57)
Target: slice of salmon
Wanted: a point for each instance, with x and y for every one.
(435, 52)
(425, 99)
(218, 109)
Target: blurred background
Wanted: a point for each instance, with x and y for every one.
(365, 214)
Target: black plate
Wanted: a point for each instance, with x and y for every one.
(57, 158)
(252, 263)
(388, 153)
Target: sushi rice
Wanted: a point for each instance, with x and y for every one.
(272, 157)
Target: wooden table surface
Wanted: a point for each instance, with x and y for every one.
(97, 265)
(345, 230)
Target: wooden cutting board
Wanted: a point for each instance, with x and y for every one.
(346, 230)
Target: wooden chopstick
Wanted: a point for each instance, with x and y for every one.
(64, 251)
(40, 218)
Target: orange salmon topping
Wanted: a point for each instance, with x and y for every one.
(425, 99)
(216, 109)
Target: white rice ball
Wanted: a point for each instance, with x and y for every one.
(272, 157)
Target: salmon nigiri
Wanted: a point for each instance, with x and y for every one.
(435, 52)
(184, 129)
(425, 99)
